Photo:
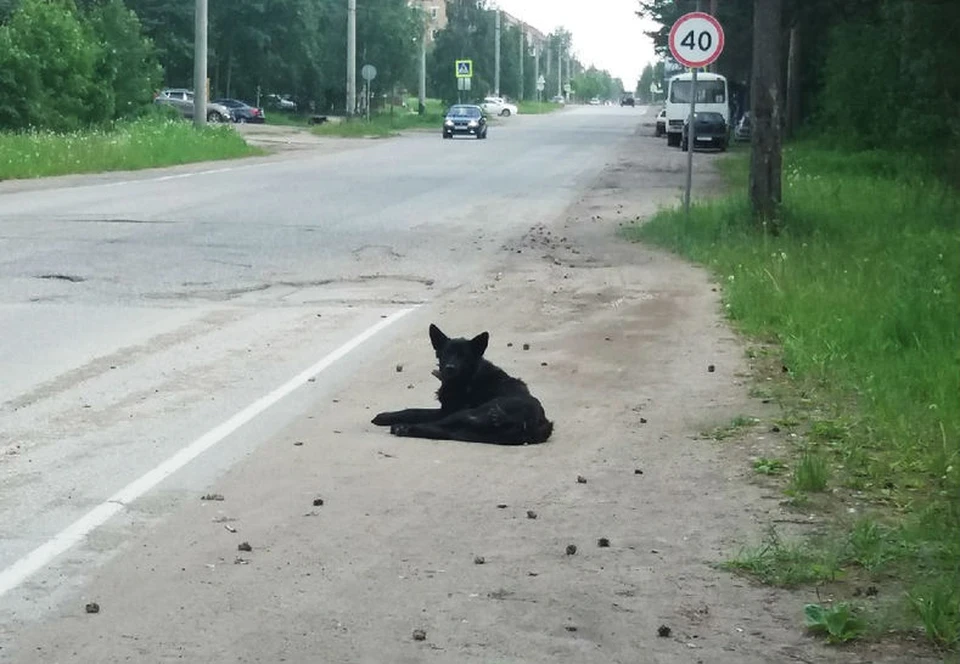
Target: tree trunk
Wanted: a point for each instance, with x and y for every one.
(793, 82)
(766, 121)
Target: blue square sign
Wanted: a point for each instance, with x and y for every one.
(464, 68)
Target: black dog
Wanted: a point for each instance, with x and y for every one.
(479, 402)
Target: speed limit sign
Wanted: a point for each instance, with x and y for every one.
(696, 39)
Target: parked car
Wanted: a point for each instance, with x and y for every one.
(465, 119)
(242, 111)
(742, 131)
(627, 100)
(280, 102)
(498, 106)
(711, 130)
(558, 99)
(661, 123)
(595, 101)
(182, 100)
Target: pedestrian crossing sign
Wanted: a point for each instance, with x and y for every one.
(464, 68)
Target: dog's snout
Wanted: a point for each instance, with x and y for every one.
(448, 369)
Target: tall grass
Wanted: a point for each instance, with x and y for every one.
(380, 125)
(144, 143)
(862, 291)
(537, 108)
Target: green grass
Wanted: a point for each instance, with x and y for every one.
(860, 292)
(811, 473)
(537, 108)
(786, 564)
(765, 466)
(732, 428)
(381, 125)
(145, 143)
(285, 118)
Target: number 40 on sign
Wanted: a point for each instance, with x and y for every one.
(696, 39)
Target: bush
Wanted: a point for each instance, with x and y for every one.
(71, 70)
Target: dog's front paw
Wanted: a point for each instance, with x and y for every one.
(383, 419)
(400, 429)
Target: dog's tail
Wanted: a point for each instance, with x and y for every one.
(544, 430)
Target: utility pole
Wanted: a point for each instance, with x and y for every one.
(496, 53)
(422, 88)
(549, 62)
(536, 68)
(560, 69)
(766, 142)
(200, 64)
(351, 57)
(523, 54)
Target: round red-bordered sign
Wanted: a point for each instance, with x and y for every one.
(696, 39)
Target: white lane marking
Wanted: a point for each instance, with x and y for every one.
(176, 176)
(40, 557)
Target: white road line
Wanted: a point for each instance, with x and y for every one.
(40, 557)
(176, 176)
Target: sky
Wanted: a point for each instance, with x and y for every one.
(606, 33)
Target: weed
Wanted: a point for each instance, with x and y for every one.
(938, 608)
(145, 143)
(784, 564)
(840, 622)
(380, 125)
(829, 430)
(811, 473)
(735, 426)
(859, 293)
(766, 466)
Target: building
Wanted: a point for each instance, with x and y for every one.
(436, 11)
(535, 38)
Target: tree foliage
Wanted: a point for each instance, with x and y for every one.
(470, 34)
(64, 66)
(48, 63)
(872, 73)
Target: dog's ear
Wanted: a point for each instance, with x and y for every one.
(437, 338)
(479, 343)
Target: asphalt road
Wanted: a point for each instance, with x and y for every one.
(140, 311)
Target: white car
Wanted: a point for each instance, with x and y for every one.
(595, 101)
(498, 106)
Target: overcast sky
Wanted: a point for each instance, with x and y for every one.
(606, 33)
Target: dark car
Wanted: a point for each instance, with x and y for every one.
(711, 131)
(242, 111)
(464, 119)
(627, 100)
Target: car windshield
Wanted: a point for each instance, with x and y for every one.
(709, 117)
(708, 92)
(464, 112)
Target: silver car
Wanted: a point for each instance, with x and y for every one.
(182, 100)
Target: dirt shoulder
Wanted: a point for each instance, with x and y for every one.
(621, 344)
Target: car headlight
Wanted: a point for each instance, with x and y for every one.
(472, 123)
(448, 123)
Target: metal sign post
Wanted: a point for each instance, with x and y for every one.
(696, 40)
(368, 72)
(464, 72)
(691, 141)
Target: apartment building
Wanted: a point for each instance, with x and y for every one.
(436, 11)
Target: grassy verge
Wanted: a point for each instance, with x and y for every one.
(537, 108)
(285, 119)
(145, 143)
(384, 124)
(856, 304)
